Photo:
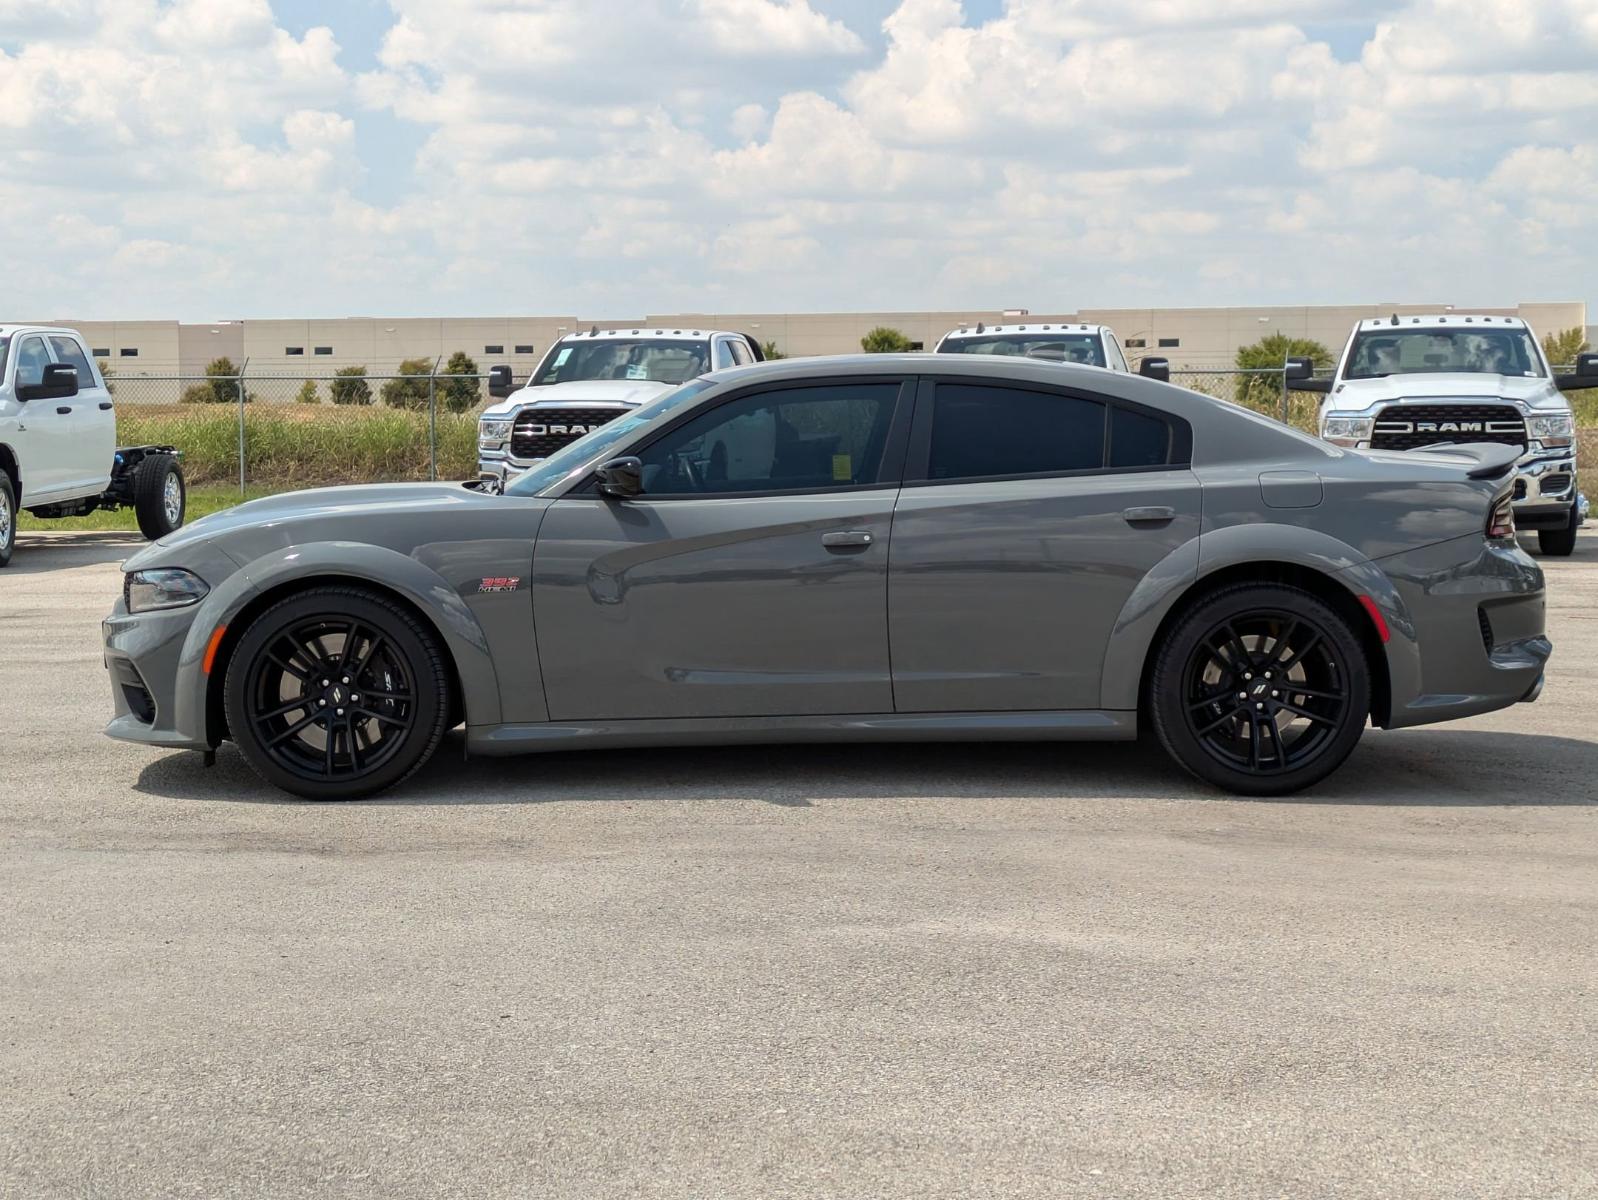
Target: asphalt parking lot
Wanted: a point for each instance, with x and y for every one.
(896, 971)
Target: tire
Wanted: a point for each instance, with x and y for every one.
(303, 735)
(8, 518)
(1215, 669)
(1560, 543)
(160, 497)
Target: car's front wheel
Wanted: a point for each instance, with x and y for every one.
(337, 692)
(1560, 543)
(1260, 689)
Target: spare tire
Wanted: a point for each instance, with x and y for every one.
(160, 496)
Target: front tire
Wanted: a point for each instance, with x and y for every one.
(336, 693)
(1260, 689)
(1560, 543)
(160, 496)
(8, 519)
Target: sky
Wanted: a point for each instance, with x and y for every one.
(226, 159)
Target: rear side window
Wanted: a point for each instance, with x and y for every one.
(980, 430)
(1139, 439)
(68, 351)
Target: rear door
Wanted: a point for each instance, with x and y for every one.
(750, 578)
(1028, 516)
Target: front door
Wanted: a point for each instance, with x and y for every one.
(1027, 518)
(46, 426)
(749, 579)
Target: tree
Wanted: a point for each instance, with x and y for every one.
(883, 340)
(455, 393)
(349, 386)
(769, 349)
(1271, 354)
(1562, 347)
(409, 390)
(105, 374)
(225, 385)
(307, 392)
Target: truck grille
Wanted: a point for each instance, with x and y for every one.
(1410, 426)
(539, 432)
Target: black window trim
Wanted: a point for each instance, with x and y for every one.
(893, 450)
(919, 456)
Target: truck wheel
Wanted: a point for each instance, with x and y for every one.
(1559, 543)
(159, 495)
(336, 692)
(8, 519)
(1260, 689)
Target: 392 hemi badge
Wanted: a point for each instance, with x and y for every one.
(499, 583)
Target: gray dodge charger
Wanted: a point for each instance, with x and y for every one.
(894, 547)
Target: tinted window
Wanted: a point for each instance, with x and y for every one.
(789, 439)
(32, 358)
(68, 351)
(980, 430)
(1138, 439)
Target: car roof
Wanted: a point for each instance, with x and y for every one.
(982, 329)
(645, 333)
(13, 330)
(925, 363)
(1433, 320)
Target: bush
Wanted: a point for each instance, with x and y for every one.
(769, 349)
(883, 340)
(1264, 392)
(225, 385)
(454, 393)
(200, 393)
(349, 386)
(410, 390)
(307, 394)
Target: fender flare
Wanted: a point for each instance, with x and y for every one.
(354, 562)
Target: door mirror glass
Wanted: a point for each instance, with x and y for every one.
(621, 477)
(59, 381)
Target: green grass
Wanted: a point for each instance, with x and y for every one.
(202, 502)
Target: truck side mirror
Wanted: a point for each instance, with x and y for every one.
(1586, 375)
(1300, 368)
(621, 477)
(59, 381)
(499, 382)
(1155, 368)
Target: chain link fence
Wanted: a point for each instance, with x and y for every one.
(271, 433)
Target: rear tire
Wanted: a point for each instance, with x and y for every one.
(8, 518)
(1260, 689)
(160, 497)
(337, 693)
(1559, 543)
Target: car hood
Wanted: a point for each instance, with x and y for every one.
(393, 499)
(623, 392)
(1354, 395)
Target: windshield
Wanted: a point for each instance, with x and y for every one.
(1057, 347)
(1380, 352)
(591, 446)
(654, 360)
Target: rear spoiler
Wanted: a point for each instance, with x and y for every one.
(1482, 460)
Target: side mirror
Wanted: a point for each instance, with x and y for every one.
(621, 477)
(60, 381)
(499, 382)
(1300, 368)
(1155, 368)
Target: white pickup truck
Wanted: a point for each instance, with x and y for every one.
(1069, 342)
(1405, 383)
(58, 432)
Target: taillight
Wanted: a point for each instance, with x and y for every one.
(1501, 523)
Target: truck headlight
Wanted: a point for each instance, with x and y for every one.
(165, 587)
(1346, 431)
(1557, 429)
(493, 432)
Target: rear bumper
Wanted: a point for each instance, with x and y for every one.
(1475, 639)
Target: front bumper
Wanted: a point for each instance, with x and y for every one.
(142, 656)
(1545, 490)
(501, 465)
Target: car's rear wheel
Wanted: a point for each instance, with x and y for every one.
(160, 497)
(337, 692)
(1260, 689)
(8, 519)
(1560, 543)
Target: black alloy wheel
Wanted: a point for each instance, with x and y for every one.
(1261, 690)
(336, 693)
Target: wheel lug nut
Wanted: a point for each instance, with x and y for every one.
(325, 682)
(322, 703)
(1261, 707)
(340, 712)
(355, 698)
(346, 679)
(1248, 675)
(1275, 693)
(1242, 695)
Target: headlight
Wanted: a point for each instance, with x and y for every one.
(492, 432)
(1555, 430)
(166, 587)
(1346, 431)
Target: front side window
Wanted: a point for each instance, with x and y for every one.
(1476, 351)
(741, 353)
(790, 439)
(32, 359)
(68, 351)
(1084, 348)
(1113, 353)
(655, 360)
(979, 430)
(723, 353)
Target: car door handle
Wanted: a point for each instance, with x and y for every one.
(846, 539)
(105, 406)
(64, 409)
(1148, 515)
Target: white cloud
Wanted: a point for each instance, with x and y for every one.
(625, 156)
